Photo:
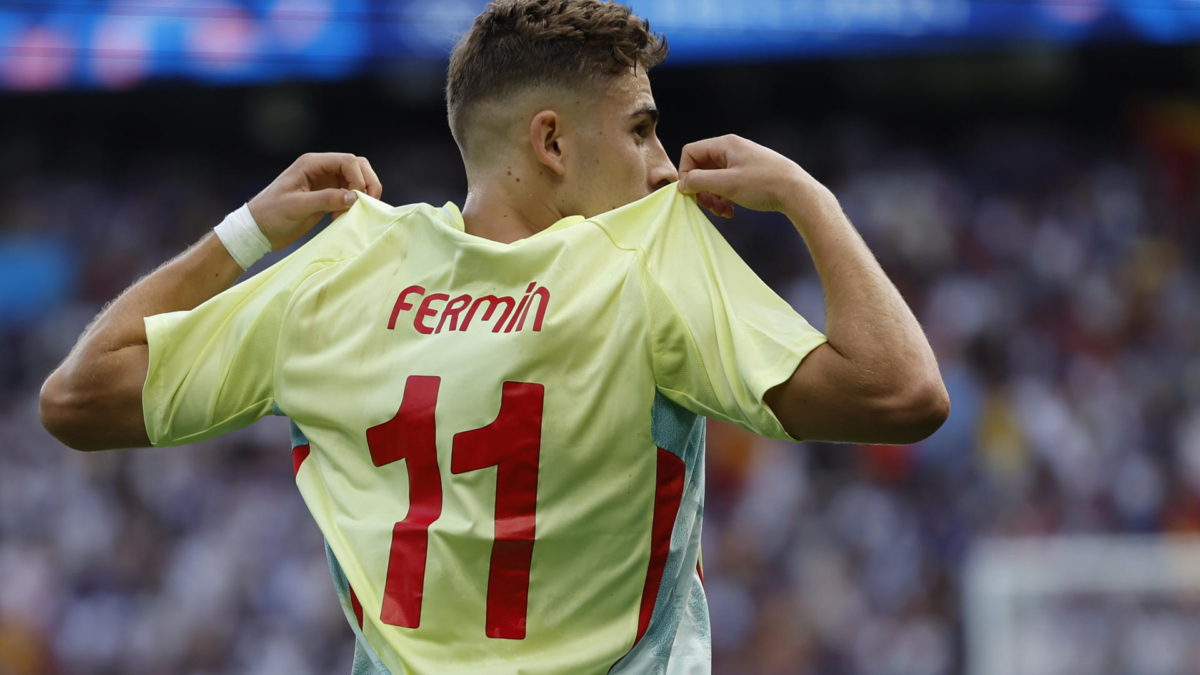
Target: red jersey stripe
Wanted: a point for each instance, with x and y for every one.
(667, 496)
(299, 454)
(356, 606)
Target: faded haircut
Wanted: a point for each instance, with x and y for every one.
(515, 45)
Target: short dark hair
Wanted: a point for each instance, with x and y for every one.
(515, 44)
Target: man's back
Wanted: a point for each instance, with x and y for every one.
(543, 396)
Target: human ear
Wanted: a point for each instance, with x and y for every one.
(545, 133)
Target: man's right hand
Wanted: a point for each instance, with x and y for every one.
(315, 184)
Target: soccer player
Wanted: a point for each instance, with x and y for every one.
(497, 413)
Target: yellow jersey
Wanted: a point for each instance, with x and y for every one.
(502, 444)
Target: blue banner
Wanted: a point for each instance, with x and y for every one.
(50, 44)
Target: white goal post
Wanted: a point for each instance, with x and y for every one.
(1083, 605)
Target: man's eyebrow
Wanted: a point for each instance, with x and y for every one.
(650, 111)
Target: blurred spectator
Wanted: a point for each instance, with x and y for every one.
(1055, 278)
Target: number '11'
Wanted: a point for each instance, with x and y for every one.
(512, 444)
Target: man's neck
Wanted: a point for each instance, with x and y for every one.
(505, 215)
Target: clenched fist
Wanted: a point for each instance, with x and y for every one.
(315, 184)
(731, 170)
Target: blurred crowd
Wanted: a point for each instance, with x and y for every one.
(1056, 272)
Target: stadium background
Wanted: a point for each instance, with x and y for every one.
(1026, 172)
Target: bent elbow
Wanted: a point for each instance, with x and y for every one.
(919, 411)
(59, 412)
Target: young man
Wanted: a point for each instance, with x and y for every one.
(497, 414)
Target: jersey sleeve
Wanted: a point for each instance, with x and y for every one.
(720, 336)
(212, 368)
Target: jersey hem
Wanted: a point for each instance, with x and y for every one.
(153, 335)
(783, 369)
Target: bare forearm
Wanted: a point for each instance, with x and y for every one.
(876, 381)
(93, 400)
(192, 277)
(867, 321)
(102, 377)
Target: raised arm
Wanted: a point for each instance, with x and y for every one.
(876, 380)
(93, 400)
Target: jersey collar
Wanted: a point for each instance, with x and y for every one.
(456, 220)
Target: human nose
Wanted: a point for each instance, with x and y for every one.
(662, 171)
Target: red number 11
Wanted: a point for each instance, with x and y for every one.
(512, 444)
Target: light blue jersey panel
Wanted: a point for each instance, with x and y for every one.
(366, 662)
(678, 640)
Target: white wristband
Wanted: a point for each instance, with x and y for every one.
(242, 237)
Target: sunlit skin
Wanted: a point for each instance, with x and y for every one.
(551, 154)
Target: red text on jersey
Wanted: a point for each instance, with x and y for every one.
(439, 311)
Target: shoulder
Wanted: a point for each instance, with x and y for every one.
(361, 226)
(342, 242)
(356, 231)
(652, 221)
